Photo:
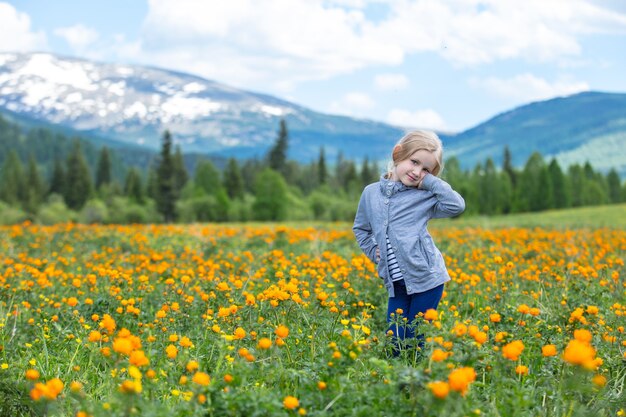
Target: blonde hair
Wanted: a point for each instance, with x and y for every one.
(413, 142)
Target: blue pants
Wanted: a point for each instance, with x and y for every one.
(411, 306)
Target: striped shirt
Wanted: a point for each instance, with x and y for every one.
(394, 270)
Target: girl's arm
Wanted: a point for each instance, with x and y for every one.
(363, 232)
(449, 202)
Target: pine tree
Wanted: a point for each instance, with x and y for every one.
(103, 170)
(34, 187)
(560, 186)
(277, 156)
(12, 185)
(615, 186)
(133, 188)
(166, 193)
(233, 180)
(78, 183)
(322, 171)
(180, 172)
(367, 174)
(57, 180)
(507, 166)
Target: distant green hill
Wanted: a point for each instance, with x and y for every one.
(583, 127)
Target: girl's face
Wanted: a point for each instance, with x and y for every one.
(411, 171)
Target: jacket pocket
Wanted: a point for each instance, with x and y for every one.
(427, 250)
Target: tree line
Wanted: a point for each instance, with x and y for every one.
(271, 188)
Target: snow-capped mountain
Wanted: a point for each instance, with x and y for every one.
(134, 104)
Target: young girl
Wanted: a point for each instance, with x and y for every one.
(390, 227)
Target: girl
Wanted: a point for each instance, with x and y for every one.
(390, 227)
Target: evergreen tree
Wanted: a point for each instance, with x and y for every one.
(368, 175)
(271, 196)
(249, 171)
(277, 156)
(560, 187)
(152, 183)
(57, 180)
(544, 200)
(233, 180)
(615, 186)
(322, 173)
(78, 183)
(103, 170)
(207, 178)
(133, 188)
(12, 185)
(180, 172)
(576, 178)
(507, 166)
(530, 195)
(34, 187)
(166, 193)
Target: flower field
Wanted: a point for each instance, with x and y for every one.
(271, 320)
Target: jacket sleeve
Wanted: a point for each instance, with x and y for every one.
(363, 230)
(449, 203)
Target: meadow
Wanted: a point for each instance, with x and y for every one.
(285, 320)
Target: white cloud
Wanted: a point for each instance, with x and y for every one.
(528, 87)
(16, 33)
(277, 44)
(77, 36)
(426, 118)
(390, 82)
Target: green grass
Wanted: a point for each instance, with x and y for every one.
(611, 216)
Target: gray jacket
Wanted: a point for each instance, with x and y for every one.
(390, 208)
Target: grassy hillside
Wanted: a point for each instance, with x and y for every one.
(611, 216)
(583, 127)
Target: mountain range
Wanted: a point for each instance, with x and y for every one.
(131, 106)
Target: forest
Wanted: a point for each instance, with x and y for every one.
(47, 178)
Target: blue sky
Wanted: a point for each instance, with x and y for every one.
(440, 64)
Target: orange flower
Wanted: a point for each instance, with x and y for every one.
(138, 358)
(431, 314)
(264, 343)
(521, 370)
(460, 378)
(495, 318)
(282, 331)
(513, 350)
(440, 389)
(580, 353)
(32, 374)
(123, 346)
(239, 333)
(439, 355)
(201, 378)
(95, 336)
(583, 335)
(290, 402)
(185, 342)
(171, 351)
(192, 366)
(548, 350)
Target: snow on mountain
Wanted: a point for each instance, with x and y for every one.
(136, 104)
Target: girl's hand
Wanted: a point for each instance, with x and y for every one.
(377, 255)
(421, 179)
